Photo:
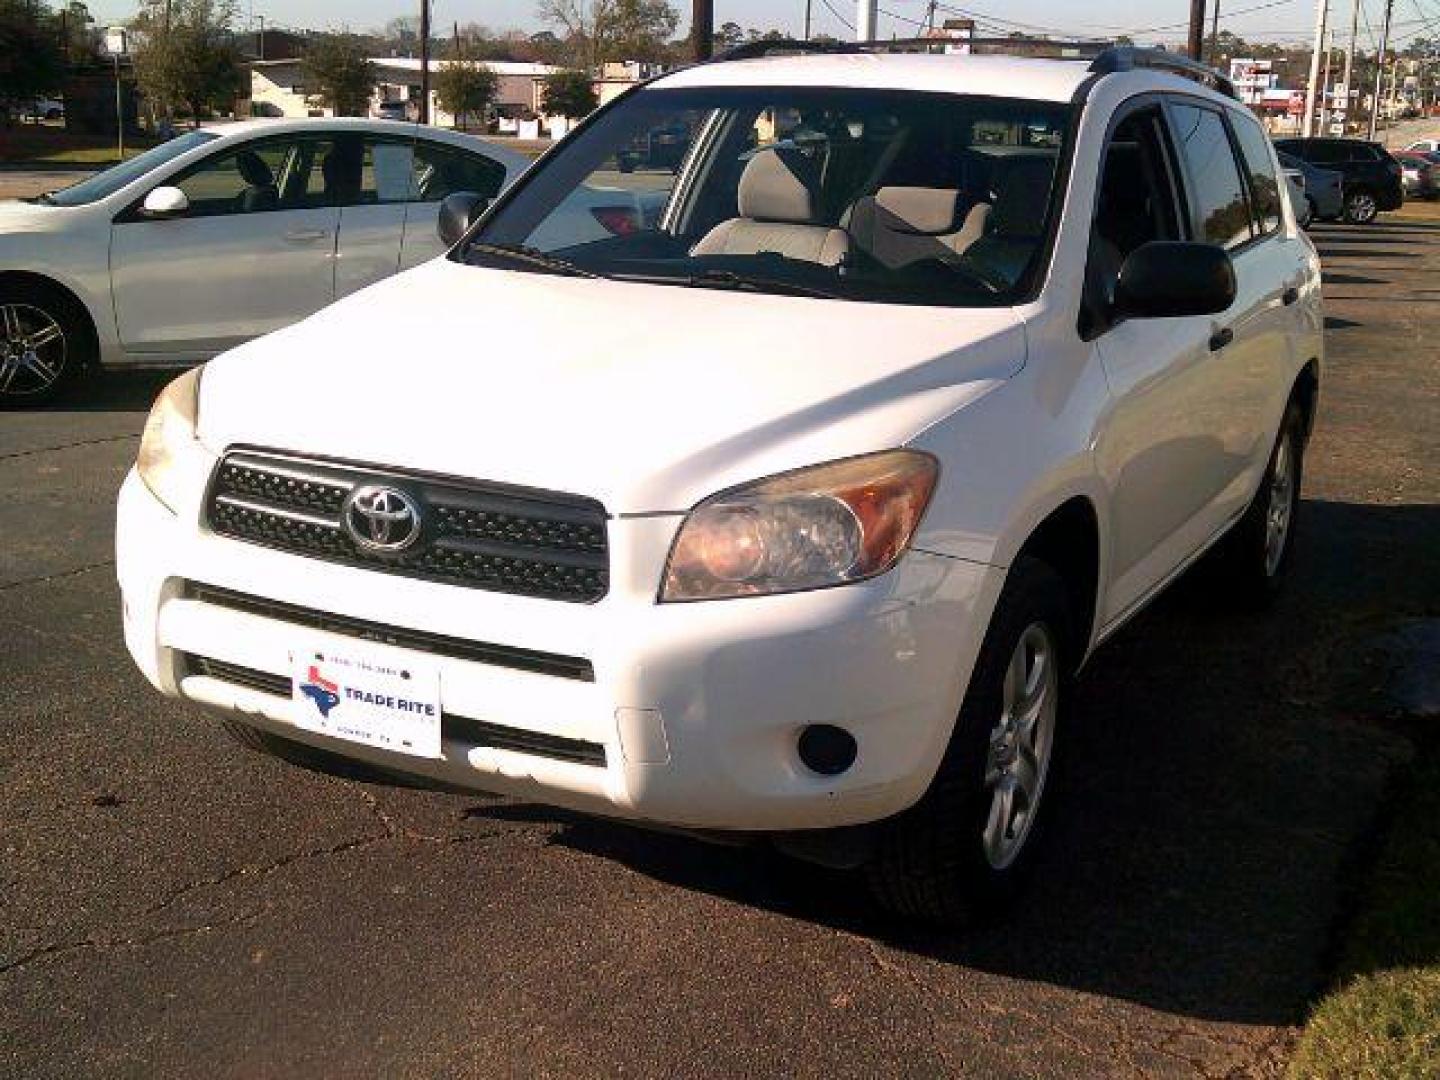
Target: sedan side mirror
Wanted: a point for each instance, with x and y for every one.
(458, 212)
(165, 202)
(1169, 280)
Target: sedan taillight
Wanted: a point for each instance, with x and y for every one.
(617, 220)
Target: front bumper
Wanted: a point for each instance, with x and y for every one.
(697, 706)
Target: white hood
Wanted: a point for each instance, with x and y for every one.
(648, 398)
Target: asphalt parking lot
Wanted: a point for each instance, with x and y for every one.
(175, 905)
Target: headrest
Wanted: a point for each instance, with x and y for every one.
(1022, 191)
(779, 185)
(253, 169)
(924, 210)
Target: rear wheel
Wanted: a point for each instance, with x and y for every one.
(965, 846)
(44, 340)
(1360, 207)
(1252, 561)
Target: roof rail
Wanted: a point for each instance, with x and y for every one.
(1037, 48)
(1129, 58)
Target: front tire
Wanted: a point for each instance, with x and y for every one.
(44, 340)
(965, 847)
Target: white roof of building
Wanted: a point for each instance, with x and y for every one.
(1002, 76)
(411, 63)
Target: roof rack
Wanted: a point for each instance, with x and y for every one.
(1130, 58)
(1105, 57)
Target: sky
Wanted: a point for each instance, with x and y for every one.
(1270, 20)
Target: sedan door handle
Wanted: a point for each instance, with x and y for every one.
(1221, 338)
(306, 236)
(1290, 295)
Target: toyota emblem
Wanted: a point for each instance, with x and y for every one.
(380, 518)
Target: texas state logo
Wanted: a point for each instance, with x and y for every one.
(323, 693)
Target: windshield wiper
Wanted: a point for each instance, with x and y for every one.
(728, 279)
(534, 257)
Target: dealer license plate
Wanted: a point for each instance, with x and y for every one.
(371, 695)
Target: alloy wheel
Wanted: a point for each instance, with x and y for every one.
(1281, 510)
(1021, 744)
(32, 350)
(1362, 208)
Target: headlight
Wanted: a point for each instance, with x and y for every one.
(169, 438)
(826, 525)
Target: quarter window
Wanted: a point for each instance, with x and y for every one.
(1217, 196)
(1264, 185)
(440, 171)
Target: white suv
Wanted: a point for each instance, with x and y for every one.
(790, 510)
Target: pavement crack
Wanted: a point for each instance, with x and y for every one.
(138, 941)
(58, 575)
(66, 446)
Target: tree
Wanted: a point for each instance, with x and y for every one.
(569, 94)
(466, 87)
(729, 35)
(339, 74)
(31, 61)
(185, 55)
(598, 31)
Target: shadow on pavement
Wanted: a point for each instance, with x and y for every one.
(1220, 772)
(111, 391)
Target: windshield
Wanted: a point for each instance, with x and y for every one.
(108, 181)
(854, 194)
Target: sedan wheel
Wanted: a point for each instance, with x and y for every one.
(34, 351)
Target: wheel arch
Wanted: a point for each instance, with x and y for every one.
(1067, 539)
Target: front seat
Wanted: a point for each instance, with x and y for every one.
(260, 191)
(899, 226)
(780, 213)
(343, 170)
(1013, 230)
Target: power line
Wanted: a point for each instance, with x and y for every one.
(843, 21)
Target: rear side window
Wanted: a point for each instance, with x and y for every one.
(441, 170)
(1323, 153)
(1217, 196)
(1264, 184)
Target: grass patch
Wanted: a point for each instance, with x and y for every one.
(43, 144)
(1382, 1019)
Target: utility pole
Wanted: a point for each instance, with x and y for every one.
(260, 20)
(1380, 67)
(930, 18)
(807, 19)
(1312, 85)
(1325, 83)
(1196, 45)
(865, 12)
(1350, 94)
(702, 29)
(424, 61)
(1215, 35)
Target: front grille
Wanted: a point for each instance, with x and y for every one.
(460, 729)
(480, 535)
(480, 652)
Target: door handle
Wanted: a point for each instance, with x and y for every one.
(1221, 338)
(306, 236)
(1290, 295)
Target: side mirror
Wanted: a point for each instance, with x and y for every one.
(164, 202)
(1169, 280)
(458, 212)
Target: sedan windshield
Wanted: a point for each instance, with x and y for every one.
(843, 193)
(108, 181)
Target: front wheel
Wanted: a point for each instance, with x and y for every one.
(965, 846)
(1361, 207)
(43, 341)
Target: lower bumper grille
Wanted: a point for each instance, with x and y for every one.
(461, 729)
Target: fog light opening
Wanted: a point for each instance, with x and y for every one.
(826, 749)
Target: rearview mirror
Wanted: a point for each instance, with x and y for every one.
(165, 202)
(458, 212)
(1169, 280)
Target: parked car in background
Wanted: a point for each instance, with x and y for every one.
(1372, 177)
(1425, 146)
(1296, 181)
(1324, 188)
(789, 515)
(392, 110)
(1420, 175)
(220, 235)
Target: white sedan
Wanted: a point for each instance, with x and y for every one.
(221, 235)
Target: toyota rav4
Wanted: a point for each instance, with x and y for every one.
(789, 511)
